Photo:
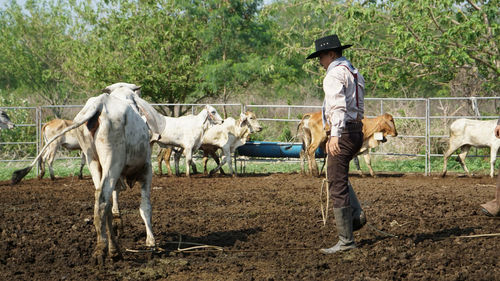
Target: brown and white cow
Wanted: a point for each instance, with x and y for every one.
(68, 141)
(115, 141)
(5, 122)
(312, 134)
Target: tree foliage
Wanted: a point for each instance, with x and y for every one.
(190, 50)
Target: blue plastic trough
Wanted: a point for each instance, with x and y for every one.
(273, 149)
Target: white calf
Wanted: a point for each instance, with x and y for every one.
(228, 136)
(465, 133)
(187, 132)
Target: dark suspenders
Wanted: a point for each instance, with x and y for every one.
(355, 82)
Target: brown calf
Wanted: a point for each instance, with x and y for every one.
(310, 130)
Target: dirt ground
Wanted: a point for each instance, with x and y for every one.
(269, 226)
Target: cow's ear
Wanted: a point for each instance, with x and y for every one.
(135, 88)
(106, 90)
(243, 118)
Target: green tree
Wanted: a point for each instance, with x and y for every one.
(35, 45)
(143, 42)
(236, 45)
(403, 48)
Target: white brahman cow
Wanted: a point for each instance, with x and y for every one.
(68, 141)
(464, 134)
(185, 132)
(115, 140)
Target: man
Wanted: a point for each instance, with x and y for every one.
(492, 208)
(343, 110)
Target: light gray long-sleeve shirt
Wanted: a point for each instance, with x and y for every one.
(341, 104)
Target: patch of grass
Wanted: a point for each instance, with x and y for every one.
(477, 165)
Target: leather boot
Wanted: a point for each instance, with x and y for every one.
(343, 220)
(492, 208)
(358, 216)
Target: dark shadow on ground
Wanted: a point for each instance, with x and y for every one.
(421, 237)
(219, 238)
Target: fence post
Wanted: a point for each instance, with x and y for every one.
(38, 125)
(427, 138)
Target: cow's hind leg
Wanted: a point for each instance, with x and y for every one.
(205, 161)
(493, 158)
(368, 162)
(159, 159)
(225, 153)
(461, 158)
(311, 158)
(41, 166)
(302, 156)
(453, 147)
(166, 158)
(108, 191)
(189, 155)
(100, 249)
(82, 164)
(50, 160)
(115, 210)
(145, 208)
(177, 159)
(358, 167)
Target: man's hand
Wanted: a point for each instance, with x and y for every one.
(332, 146)
(497, 131)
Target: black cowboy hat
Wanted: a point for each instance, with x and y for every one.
(327, 43)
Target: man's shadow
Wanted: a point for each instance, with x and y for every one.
(224, 239)
(421, 237)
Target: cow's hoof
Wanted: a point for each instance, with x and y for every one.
(115, 254)
(117, 225)
(98, 257)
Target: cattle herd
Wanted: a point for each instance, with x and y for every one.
(116, 130)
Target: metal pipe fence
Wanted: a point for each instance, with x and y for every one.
(422, 123)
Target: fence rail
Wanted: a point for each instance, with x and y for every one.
(422, 123)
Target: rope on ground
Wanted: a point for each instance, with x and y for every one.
(380, 231)
(198, 246)
(478, 235)
(211, 248)
(324, 185)
(324, 210)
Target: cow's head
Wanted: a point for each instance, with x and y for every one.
(388, 127)
(5, 122)
(248, 118)
(212, 115)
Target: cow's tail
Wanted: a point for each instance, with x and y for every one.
(299, 126)
(90, 117)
